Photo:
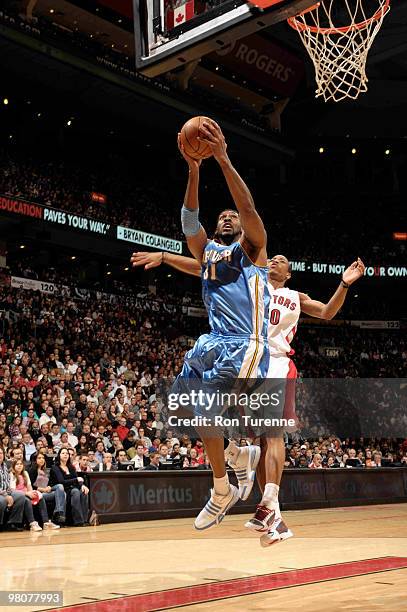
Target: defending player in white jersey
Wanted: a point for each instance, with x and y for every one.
(286, 306)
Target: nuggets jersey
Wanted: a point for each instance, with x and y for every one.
(284, 312)
(235, 291)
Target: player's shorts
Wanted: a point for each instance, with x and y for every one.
(277, 415)
(283, 368)
(215, 364)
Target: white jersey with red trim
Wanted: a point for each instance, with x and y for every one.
(284, 312)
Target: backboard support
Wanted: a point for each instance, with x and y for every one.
(161, 45)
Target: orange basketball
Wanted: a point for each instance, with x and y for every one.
(189, 138)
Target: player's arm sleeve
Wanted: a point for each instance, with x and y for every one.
(193, 230)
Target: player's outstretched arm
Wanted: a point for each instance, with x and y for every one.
(329, 310)
(254, 233)
(189, 265)
(193, 230)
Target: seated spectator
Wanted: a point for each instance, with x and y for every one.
(83, 463)
(47, 416)
(72, 439)
(93, 462)
(140, 460)
(129, 440)
(154, 464)
(302, 462)
(163, 453)
(352, 460)
(20, 482)
(194, 460)
(100, 451)
(316, 463)
(107, 465)
(83, 444)
(377, 459)
(39, 478)
(123, 462)
(11, 502)
(146, 441)
(63, 472)
(29, 446)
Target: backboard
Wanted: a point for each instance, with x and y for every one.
(172, 33)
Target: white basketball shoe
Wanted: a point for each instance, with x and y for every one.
(216, 508)
(243, 461)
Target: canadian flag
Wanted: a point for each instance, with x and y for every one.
(178, 15)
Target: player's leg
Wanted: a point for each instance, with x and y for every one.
(223, 495)
(268, 512)
(267, 518)
(243, 460)
(271, 469)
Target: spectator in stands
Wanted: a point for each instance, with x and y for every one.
(123, 461)
(107, 465)
(40, 482)
(11, 503)
(63, 472)
(154, 464)
(353, 461)
(20, 482)
(93, 462)
(316, 463)
(83, 463)
(140, 460)
(194, 460)
(100, 451)
(302, 462)
(377, 459)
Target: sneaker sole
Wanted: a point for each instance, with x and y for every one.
(254, 459)
(265, 542)
(220, 518)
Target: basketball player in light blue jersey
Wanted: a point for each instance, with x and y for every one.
(235, 293)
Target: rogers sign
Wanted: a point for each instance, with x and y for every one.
(262, 62)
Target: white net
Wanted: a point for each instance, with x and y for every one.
(338, 35)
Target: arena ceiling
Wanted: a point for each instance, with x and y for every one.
(381, 112)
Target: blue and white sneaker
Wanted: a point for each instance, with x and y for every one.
(217, 506)
(244, 466)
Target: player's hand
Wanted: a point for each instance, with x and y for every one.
(192, 163)
(148, 260)
(355, 271)
(211, 133)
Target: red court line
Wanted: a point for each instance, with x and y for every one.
(202, 593)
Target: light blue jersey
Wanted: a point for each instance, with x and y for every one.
(237, 297)
(235, 291)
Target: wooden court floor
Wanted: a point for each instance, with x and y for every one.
(343, 559)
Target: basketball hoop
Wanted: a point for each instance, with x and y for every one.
(338, 35)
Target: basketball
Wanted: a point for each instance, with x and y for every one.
(189, 139)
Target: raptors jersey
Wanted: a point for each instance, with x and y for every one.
(284, 312)
(235, 291)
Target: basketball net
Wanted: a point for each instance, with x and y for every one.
(338, 35)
